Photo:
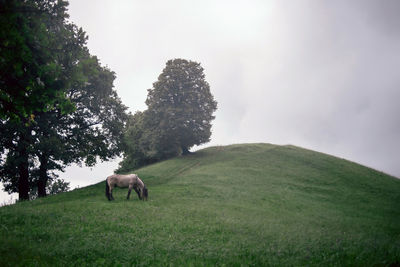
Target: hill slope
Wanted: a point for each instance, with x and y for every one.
(255, 204)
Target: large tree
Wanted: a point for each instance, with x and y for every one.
(93, 130)
(182, 105)
(57, 105)
(179, 115)
(38, 55)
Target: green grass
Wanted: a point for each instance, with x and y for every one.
(253, 204)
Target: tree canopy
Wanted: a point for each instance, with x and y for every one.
(38, 55)
(180, 111)
(57, 103)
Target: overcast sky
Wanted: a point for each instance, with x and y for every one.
(323, 75)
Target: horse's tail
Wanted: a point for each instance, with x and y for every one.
(107, 190)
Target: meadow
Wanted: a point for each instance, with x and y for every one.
(238, 205)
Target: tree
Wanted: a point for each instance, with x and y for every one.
(179, 115)
(57, 104)
(39, 52)
(15, 164)
(94, 130)
(58, 186)
(134, 154)
(181, 104)
(53, 187)
(140, 143)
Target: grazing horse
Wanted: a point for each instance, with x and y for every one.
(130, 181)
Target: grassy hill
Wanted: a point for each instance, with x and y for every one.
(252, 204)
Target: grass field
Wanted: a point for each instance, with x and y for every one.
(251, 205)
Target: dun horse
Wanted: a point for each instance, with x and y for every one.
(130, 181)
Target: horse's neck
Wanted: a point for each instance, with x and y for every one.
(139, 182)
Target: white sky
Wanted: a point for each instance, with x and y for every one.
(319, 74)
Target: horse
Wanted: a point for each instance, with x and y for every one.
(130, 181)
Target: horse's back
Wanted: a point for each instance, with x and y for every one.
(122, 180)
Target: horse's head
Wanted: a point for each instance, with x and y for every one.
(145, 193)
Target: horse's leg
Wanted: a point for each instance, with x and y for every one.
(137, 192)
(129, 191)
(111, 195)
(108, 190)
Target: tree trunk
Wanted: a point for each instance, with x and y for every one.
(23, 172)
(185, 150)
(41, 184)
(23, 183)
(23, 163)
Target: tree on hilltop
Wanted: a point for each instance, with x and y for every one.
(180, 111)
(182, 105)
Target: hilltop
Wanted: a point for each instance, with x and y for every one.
(251, 204)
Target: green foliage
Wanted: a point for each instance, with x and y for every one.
(136, 145)
(179, 115)
(38, 52)
(53, 187)
(92, 131)
(181, 104)
(57, 103)
(39, 49)
(58, 186)
(251, 205)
